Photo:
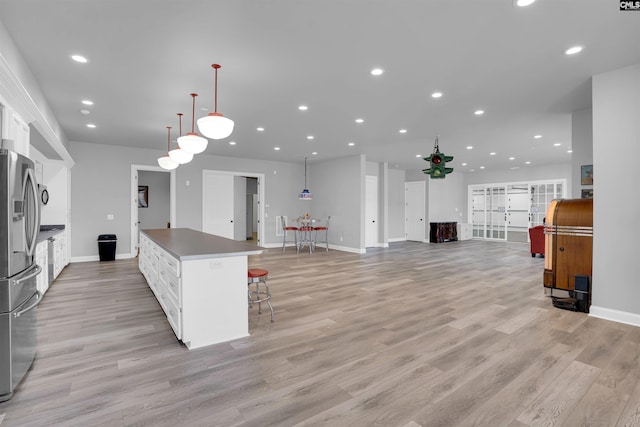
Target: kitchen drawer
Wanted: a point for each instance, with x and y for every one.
(170, 262)
(172, 284)
(173, 313)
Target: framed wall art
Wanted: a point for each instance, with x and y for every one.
(586, 174)
(143, 196)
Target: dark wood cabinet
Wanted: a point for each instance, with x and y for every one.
(443, 232)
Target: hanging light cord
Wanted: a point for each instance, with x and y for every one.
(180, 120)
(436, 146)
(215, 93)
(193, 112)
(168, 139)
(305, 172)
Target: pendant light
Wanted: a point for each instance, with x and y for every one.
(215, 125)
(192, 142)
(180, 155)
(165, 161)
(305, 194)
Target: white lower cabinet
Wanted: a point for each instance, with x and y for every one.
(42, 259)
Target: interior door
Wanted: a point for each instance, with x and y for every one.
(496, 200)
(218, 205)
(414, 195)
(371, 212)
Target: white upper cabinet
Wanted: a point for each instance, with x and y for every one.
(14, 129)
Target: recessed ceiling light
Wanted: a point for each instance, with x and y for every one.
(402, 131)
(478, 112)
(79, 58)
(276, 148)
(315, 153)
(436, 95)
(537, 136)
(232, 143)
(527, 163)
(469, 147)
(303, 108)
(351, 144)
(87, 102)
(464, 164)
(573, 50)
(359, 120)
(309, 136)
(377, 72)
(569, 150)
(472, 170)
(481, 167)
(85, 111)
(91, 125)
(512, 158)
(493, 153)
(260, 129)
(523, 3)
(418, 155)
(557, 144)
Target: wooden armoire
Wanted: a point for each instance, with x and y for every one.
(568, 253)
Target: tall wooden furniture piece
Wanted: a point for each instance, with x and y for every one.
(568, 253)
(259, 294)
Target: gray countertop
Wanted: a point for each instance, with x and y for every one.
(47, 231)
(187, 244)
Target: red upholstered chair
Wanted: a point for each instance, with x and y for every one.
(259, 295)
(291, 229)
(536, 236)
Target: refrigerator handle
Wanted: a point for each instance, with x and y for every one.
(31, 248)
(31, 307)
(37, 271)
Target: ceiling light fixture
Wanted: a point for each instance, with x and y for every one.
(402, 131)
(192, 142)
(492, 153)
(303, 108)
(377, 72)
(478, 112)
(165, 161)
(523, 3)
(87, 102)
(573, 50)
(91, 125)
(180, 155)
(215, 125)
(359, 120)
(305, 194)
(79, 58)
(351, 144)
(436, 95)
(537, 136)
(309, 137)
(232, 143)
(260, 129)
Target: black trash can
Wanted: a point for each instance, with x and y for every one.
(107, 247)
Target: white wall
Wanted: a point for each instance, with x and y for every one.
(582, 146)
(616, 150)
(396, 215)
(447, 199)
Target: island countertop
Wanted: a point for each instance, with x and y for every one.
(187, 244)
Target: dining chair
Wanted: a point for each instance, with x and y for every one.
(305, 226)
(291, 229)
(321, 228)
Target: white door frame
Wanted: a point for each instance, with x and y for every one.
(133, 237)
(261, 192)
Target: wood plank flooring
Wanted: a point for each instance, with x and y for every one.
(453, 334)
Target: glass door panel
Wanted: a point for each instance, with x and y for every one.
(497, 213)
(478, 214)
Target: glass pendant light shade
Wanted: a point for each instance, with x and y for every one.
(305, 194)
(193, 143)
(180, 156)
(215, 126)
(165, 162)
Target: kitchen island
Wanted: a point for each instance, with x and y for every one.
(200, 281)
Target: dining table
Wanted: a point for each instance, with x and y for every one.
(305, 227)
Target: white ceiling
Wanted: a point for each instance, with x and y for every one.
(147, 56)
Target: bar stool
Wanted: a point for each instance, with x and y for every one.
(289, 228)
(257, 276)
(306, 233)
(324, 228)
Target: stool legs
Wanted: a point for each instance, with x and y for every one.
(259, 296)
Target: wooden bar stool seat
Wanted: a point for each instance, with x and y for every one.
(260, 294)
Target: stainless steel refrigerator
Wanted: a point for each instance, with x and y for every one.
(19, 226)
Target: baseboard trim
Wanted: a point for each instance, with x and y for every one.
(397, 239)
(625, 317)
(92, 258)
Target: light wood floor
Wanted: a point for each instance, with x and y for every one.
(445, 334)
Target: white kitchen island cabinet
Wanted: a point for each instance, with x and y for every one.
(200, 281)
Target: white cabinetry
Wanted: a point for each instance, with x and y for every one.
(204, 296)
(59, 245)
(42, 258)
(16, 130)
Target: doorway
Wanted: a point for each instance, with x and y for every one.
(136, 170)
(414, 210)
(232, 205)
(371, 212)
